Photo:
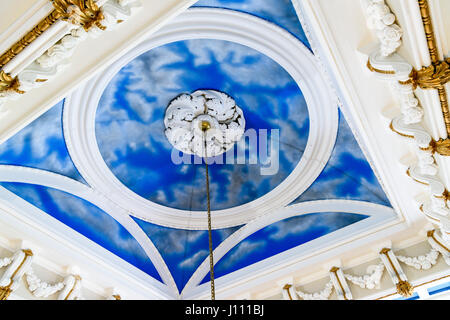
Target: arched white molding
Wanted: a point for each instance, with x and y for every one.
(377, 214)
(221, 24)
(52, 180)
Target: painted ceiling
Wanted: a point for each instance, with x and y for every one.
(129, 131)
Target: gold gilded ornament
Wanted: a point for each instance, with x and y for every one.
(5, 292)
(85, 13)
(8, 83)
(433, 77)
(405, 289)
(442, 146)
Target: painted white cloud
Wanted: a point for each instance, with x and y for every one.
(195, 260)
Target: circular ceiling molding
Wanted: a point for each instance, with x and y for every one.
(206, 23)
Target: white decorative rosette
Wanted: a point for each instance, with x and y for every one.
(186, 114)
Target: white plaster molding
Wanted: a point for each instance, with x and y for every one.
(324, 294)
(381, 18)
(5, 261)
(376, 213)
(421, 262)
(206, 23)
(41, 288)
(328, 47)
(30, 18)
(371, 280)
(289, 292)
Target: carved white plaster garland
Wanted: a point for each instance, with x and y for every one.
(321, 295)
(371, 280)
(380, 18)
(421, 262)
(5, 262)
(41, 288)
(186, 114)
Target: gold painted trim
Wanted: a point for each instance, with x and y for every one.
(371, 68)
(422, 284)
(408, 173)
(77, 278)
(391, 126)
(429, 31)
(5, 292)
(32, 35)
(431, 234)
(287, 287)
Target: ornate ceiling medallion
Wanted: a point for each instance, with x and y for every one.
(188, 115)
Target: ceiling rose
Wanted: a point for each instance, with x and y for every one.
(188, 115)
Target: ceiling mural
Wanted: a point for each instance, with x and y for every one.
(87, 219)
(279, 12)
(130, 126)
(41, 145)
(343, 199)
(347, 174)
(282, 236)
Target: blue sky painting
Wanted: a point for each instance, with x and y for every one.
(130, 135)
(130, 127)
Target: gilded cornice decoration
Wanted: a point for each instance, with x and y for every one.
(30, 37)
(8, 83)
(432, 77)
(84, 13)
(438, 74)
(87, 18)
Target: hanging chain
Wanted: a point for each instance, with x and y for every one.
(211, 259)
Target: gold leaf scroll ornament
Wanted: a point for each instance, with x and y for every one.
(85, 13)
(8, 83)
